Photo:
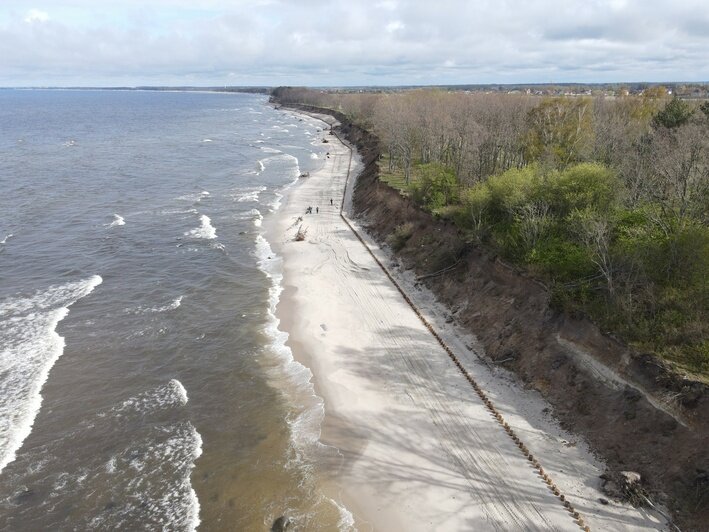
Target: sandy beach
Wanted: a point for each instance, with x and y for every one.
(418, 448)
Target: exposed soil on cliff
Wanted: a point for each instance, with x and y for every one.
(630, 407)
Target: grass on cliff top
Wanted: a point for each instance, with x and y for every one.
(395, 178)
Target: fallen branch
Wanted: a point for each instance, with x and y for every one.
(301, 234)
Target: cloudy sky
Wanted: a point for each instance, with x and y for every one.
(350, 42)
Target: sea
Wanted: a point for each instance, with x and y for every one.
(144, 381)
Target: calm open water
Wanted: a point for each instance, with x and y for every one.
(143, 381)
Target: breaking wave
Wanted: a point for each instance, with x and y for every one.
(30, 347)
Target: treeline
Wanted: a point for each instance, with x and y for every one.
(606, 198)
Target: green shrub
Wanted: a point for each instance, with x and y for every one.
(510, 190)
(586, 185)
(563, 260)
(436, 186)
(475, 209)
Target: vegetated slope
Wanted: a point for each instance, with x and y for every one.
(633, 409)
(604, 199)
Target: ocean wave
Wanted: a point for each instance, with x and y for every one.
(147, 477)
(207, 140)
(247, 194)
(280, 156)
(30, 347)
(194, 197)
(7, 237)
(314, 155)
(172, 394)
(205, 231)
(156, 471)
(175, 303)
(296, 163)
(154, 476)
(117, 220)
(276, 203)
(277, 196)
(267, 149)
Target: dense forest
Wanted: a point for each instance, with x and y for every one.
(605, 199)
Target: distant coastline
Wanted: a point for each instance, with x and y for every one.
(247, 90)
(688, 90)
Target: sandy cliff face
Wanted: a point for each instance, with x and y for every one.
(634, 412)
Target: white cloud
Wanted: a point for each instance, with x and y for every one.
(334, 42)
(388, 5)
(393, 26)
(35, 15)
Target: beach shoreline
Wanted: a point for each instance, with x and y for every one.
(395, 409)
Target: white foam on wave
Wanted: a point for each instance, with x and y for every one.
(30, 347)
(248, 196)
(243, 195)
(205, 231)
(117, 221)
(271, 265)
(168, 395)
(277, 197)
(207, 140)
(314, 155)
(152, 474)
(175, 303)
(254, 215)
(194, 197)
(7, 237)
(267, 149)
(261, 166)
(176, 504)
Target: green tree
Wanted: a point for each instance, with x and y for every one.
(675, 113)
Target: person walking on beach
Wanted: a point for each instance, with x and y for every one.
(317, 210)
(330, 201)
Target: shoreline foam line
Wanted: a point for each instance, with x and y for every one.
(544, 477)
(305, 427)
